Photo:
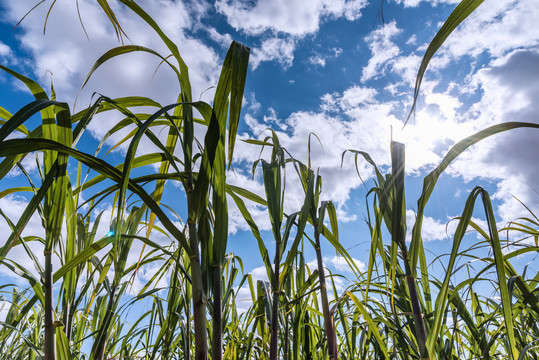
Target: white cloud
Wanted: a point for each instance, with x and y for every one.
(510, 87)
(496, 27)
(244, 299)
(336, 135)
(351, 98)
(224, 40)
(415, 3)
(259, 213)
(412, 40)
(329, 102)
(357, 96)
(4, 50)
(274, 49)
(273, 121)
(255, 127)
(283, 22)
(253, 106)
(294, 17)
(320, 59)
(341, 265)
(355, 119)
(435, 129)
(351, 9)
(431, 229)
(406, 67)
(447, 104)
(317, 60)
(383, 50)
(28, 163)
(259, 273)
(313, 265)
(336, 52)
(408, 3)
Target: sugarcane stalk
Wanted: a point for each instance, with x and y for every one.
(50, 330)
(328, 319)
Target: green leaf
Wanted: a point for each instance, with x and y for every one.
(16, 146)
(240, 61)
(33, 86)
(254, 229)
(431, 179)
(33, 204)
(370, 323)
(82, 257)
(500, 270)
(27, 111)
(461, 12)
(121, 50)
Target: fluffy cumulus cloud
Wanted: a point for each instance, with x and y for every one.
(352, 98)
(447, 104)
(244, 298)
(350, 9)
(281, 23)
(341, 265)
(258, 212)
(4, 50)
(293, 17)
(406, 67)
(496, 28)
(383, 50)
(415, 3)
(335, 136)
(224, 40)
(510, 89)
(432, 229)
(317, 60)
(274, 49)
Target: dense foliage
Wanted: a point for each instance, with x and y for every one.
(393, 310)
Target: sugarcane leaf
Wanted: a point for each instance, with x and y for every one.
(459, 14)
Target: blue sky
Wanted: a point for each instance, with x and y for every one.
(329, 67)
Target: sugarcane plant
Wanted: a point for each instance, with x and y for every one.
(274, 184)
(317, 214)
